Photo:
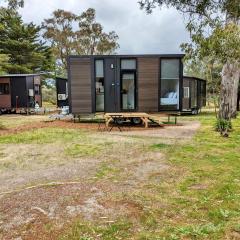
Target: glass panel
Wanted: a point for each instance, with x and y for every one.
(128, 64)
(4, 88)
(99, 81)
(128, 91)
(170, 68)
(99, 68)
(169, 98)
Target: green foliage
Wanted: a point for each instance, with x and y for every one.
(215, 33)
(20, 42)
(207, 69)
(3, 60)
(87, 38)
(49, 94)
(223, 125)
(15, 4)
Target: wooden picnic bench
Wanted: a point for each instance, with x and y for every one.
(111, 117)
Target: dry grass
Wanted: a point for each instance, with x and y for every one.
(128, 185)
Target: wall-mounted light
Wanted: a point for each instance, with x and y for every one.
(112, 66)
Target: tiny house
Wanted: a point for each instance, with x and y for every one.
(131, 83)
(62, 92)
(19, 91)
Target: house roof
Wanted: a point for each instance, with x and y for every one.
(130, 55)
(20, 75)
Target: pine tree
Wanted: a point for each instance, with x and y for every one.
(21, 43)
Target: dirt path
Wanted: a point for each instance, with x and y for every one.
(85, 189)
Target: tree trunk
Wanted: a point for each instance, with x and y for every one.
(238, 99)
(229, 91)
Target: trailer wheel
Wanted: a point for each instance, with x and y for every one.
(136, 121)
(195, 112)
(120, 121)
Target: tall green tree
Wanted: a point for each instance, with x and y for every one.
(21, 42)
(15, 4)
(69, 33)
(3, 61)
(215, 33)
(91, 38)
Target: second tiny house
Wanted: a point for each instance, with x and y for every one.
(131, 83)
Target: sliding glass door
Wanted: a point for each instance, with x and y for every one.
(128, 84)
(99, 85)
(128, 91)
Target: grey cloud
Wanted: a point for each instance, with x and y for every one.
(161, 32)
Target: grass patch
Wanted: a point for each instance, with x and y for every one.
(106, 170)
(159, 146)
(113, 231)
(81, 150)
(44, 135)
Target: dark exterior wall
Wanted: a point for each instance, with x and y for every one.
(148, 81)
(19, 88)
(80, 87)
(61, 89)
(5, 100)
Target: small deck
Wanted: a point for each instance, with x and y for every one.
(145, 117)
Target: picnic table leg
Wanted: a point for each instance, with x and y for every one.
(108, 120)
(145, 120)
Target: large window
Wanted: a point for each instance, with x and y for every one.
(4, 88)
(169, 96)
(128, 82)
(99, 84)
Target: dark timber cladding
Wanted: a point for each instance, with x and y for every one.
(148, 78)
(81, 86)
(132, 83)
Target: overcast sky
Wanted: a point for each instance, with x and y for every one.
(161, 32)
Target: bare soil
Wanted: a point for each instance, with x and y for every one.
(72, 189)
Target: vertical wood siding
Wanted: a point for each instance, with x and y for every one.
(5, 100)
(148, 81)
(81, 86)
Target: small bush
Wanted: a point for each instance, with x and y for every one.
(223, 126)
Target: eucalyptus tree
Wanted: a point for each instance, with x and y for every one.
(91, 37)
(69, 33)
(215, 33)
(15, 4)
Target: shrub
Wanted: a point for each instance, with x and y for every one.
(223, 126)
